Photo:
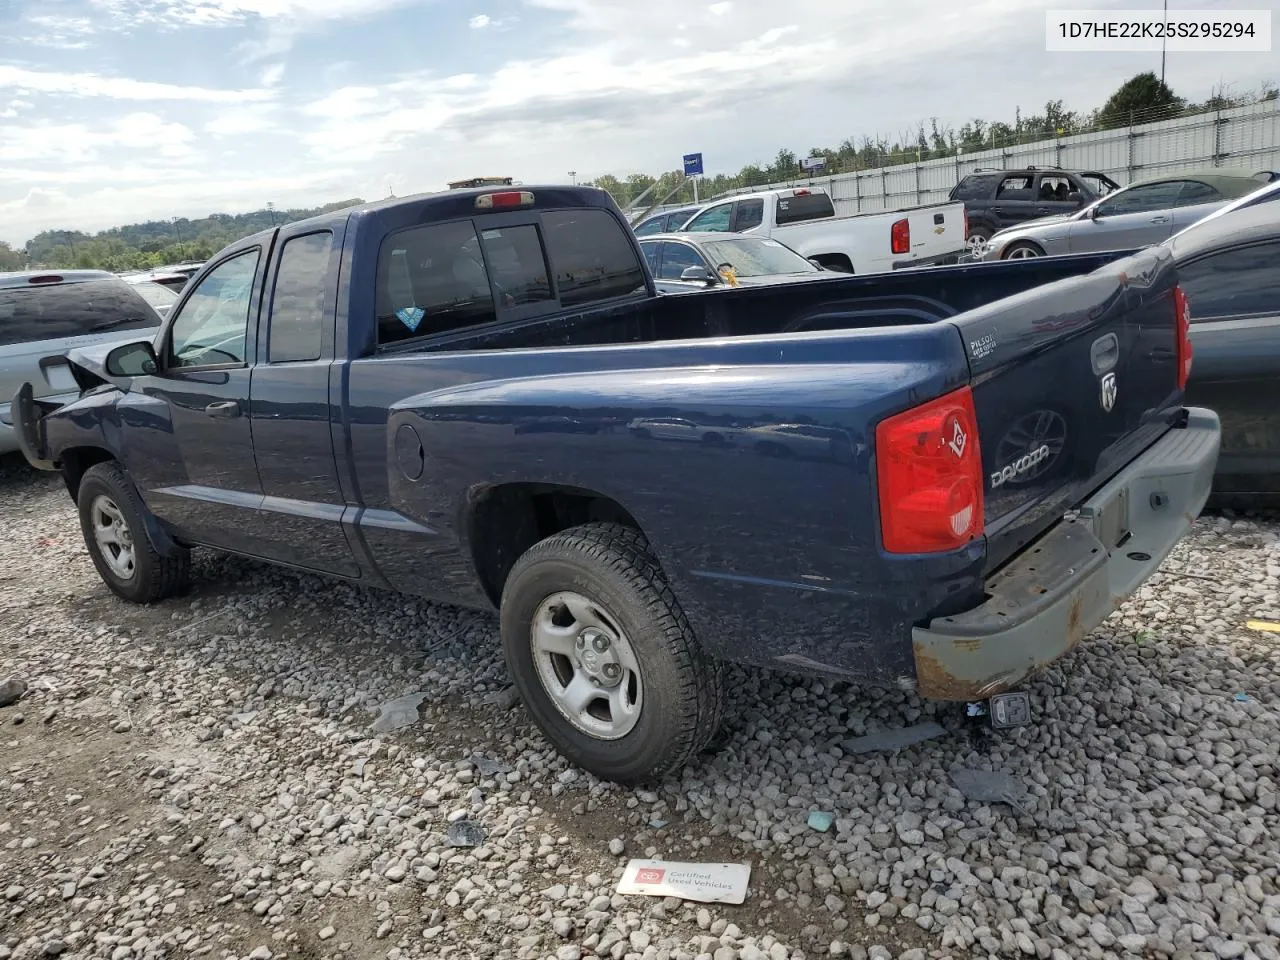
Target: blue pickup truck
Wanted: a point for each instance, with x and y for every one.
(941, 479)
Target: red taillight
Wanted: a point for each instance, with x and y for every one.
(800, 193)
(900, 237)
(1182, 325)
(929, 473)
(964, 219)
(505, 200)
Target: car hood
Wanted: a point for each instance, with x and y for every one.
(1032, 224)
(786, 278)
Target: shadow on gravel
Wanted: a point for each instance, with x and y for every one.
(19, 477)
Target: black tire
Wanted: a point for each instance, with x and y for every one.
(683, 693)
(835, 262)
(979, 232)
(157, 573)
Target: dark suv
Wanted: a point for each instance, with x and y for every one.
(995, 199)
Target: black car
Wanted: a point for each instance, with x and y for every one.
(996, 199)
(668, 222)
(1229, 270)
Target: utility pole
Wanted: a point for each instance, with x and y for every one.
(1164, 41)
(574, 176)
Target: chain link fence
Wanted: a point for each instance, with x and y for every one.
(1246, 136)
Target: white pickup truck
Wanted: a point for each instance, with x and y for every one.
(805, 220)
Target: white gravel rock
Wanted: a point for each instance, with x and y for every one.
(209, 784)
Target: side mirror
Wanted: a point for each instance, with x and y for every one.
(699, 274)
(132, 360)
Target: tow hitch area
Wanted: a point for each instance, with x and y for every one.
(1012, 709)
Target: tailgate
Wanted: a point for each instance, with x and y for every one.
(935, 231)
(1071, 381)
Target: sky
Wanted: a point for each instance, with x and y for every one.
(119, 111)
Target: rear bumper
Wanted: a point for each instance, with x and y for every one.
(1060, 587)
(941, 260)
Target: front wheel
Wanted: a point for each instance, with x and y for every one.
(603, 657)
(1022, 250)
(113, 519)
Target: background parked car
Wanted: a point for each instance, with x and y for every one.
(1141, 214)
(685, 262)
(175, 278)
(664, 222)
(44, 314)
(996, 199)
(1229, 268)
(161, 295)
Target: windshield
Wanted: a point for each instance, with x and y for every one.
(156, 294)
(751, 257)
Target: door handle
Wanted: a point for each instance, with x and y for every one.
(225, 410)
(1159, 219)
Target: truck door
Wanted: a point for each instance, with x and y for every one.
(290, 407)
(192, 452)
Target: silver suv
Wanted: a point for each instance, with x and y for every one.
(44, 314)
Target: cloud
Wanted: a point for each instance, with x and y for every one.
(213, 13)
(75, 143)
(117, 88)
(63, 207)
(241, 121)
(182, 129)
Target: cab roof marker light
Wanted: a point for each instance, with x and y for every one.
(505, 200)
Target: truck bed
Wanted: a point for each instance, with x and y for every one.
(907, 297)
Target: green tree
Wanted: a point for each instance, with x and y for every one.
(1140, 99)
(11, 259)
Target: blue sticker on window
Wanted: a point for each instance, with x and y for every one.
(411, 317)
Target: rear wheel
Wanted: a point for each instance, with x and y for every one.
(836, 262)
(113, 519)
(1022, 250)
(978, 239)
(603, 657)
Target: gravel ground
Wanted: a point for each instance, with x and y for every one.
(207, 778)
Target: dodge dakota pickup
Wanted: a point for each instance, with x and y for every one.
(937, 479)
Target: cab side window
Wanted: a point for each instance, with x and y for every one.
(430, 280)
(297, 302)
(1144, 199)
(715, 220)
(211, 325)
(1240, 282)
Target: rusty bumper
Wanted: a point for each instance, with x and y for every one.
(1051, 595)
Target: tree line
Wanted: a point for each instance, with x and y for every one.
(139, 246)
(1141, 99)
